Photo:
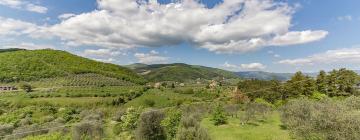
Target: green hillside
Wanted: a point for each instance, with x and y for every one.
(26, 65)
(179, 72)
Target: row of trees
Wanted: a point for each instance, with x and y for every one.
(335, 83)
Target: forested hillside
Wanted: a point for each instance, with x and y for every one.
(179, 72)
(34, 65)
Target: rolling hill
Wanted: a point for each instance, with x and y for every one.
(179, 72)
(30, 65)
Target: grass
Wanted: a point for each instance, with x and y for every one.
(270, 129)
(162, 99)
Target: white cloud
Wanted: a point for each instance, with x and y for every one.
(9, 26)
(277, 56)
(24, 5)
(345, 18)
(153, 57)
(292, 38)
(127, 24)
(102, 52)
(29, 46)
(338, 56)
(244, 67)
(66, 16)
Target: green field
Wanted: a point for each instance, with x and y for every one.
(269, 129)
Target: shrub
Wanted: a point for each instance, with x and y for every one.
(26, 87)
(87, 130)
(6, 129)
(321, 120)
(129, 120)
(190, 129)
(149, 127)
(149, 102)
(218, 116)
(254, 111)
(171, 122)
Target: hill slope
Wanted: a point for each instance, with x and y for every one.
(179, 72)
(37, 64)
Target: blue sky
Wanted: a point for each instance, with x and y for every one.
(280, 36)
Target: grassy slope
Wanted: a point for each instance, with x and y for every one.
(33, 65)
(268, 130)
(180, 72)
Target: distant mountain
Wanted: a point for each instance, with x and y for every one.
(261, 75)
(30, 65)
(179, 72)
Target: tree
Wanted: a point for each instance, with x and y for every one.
(150, 126)
(130, 119)
(309, 86)
(321, 85)
(171, 122)
(331, 81)
(26, 87)
(295, 86)
(218, 116)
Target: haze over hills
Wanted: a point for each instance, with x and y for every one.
(17, 64)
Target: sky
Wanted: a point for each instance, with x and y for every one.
(236, 35)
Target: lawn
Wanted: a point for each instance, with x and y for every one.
(267, 130)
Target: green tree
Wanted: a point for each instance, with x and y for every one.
(150, 126)
(129, 120)
(295, 86)
(331, 81)
(321, 85)
(309, 86)
(218, 116)
(171, 122)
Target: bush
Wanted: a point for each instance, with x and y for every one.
(171, 122)
(150, 126)
(327, 119)
(26, 87)
(129, 120)
(149, 102)
(190, 129)
(255, 111)
(87, 130)
(218, 116)
(6, 129)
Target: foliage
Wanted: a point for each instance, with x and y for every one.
(326, 119)
(129, 120)
(171, 122)
(45, 64)
(182, 72)
(149, 126)
(218, 116)
(149, 102)
(190, 129)
(255, 111)
(26, 87)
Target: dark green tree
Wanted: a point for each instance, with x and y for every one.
(321, 85)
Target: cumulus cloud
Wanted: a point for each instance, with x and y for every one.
(24, 5)
(153, 57)
(244, 67)
(233, 26)
(66, 16)
(9, 26)
(292, 38)
(28, 46)
(338, 56)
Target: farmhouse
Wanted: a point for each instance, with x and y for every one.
(7, 88)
